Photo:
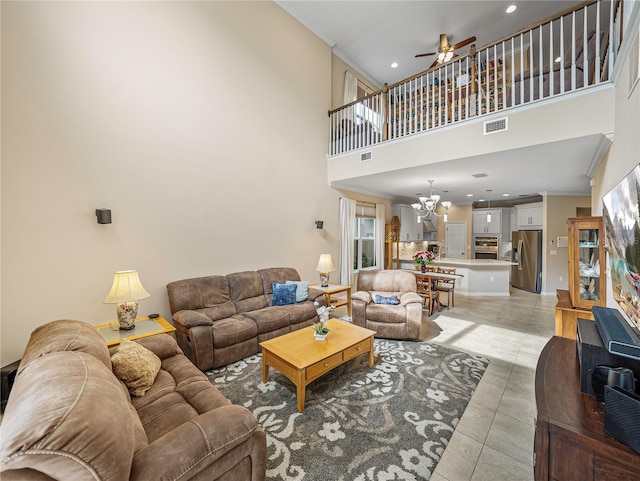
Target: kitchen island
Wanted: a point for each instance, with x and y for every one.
(480, 277)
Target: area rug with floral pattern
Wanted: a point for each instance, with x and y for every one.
(389, 422)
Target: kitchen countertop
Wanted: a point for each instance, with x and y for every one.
(468, 262)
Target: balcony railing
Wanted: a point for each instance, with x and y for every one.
(567, 52)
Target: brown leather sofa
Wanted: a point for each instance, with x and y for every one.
(222, 319)
(392, 321)
(69, 418)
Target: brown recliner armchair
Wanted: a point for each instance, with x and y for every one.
(394, 321)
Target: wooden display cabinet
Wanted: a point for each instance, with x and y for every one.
(586, 275)
(586, 262)
(392, 242)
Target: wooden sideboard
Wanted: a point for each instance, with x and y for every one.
(570, 443)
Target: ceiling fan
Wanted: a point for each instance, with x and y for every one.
(445, 52)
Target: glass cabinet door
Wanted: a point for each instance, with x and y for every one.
(589, 263)
(586, 262)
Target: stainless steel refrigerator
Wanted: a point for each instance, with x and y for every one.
(527, 253)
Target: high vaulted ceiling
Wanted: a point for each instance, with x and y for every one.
(371, 35)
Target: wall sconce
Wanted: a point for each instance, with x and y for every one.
(319, 224)
(104, 216)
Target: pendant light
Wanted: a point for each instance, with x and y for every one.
(489, 212)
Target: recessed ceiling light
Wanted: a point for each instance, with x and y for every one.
(506, 195)
(557, 60)
(394, 65)
(469, 195)
(511, 8)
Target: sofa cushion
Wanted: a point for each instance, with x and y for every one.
(179, 393)
(283, 294)
(65, 335)
(233, 330)
(77, 425)
(208, 295)
(247, 292)
(386, 313)
(270, 318)
(279, 275)
(135, 366)
(302, 312)
(302, 290)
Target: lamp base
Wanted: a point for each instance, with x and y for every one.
(324, 279)
(127, 313)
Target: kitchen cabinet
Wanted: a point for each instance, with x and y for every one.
(410, 230)
(480, 224)
(529, 216)
(586, 262)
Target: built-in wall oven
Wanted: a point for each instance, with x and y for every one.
(486, 247)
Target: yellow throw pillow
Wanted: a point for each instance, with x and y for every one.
(136, 366)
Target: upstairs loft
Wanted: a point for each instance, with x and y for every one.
(557, 70)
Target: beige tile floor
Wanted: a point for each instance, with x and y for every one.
(494, 439)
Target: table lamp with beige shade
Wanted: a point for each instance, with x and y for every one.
(126, 291)
(325, 265)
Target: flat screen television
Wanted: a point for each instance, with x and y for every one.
(621, 219)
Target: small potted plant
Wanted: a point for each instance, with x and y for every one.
(320, 331)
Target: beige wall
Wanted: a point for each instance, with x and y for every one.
(557, 209)
(202, 125)
(624, 153)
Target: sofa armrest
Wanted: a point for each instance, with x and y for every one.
(316, 295)
(199, 443)
(190, 319)
(409, 298)
(363, 296)
(161, 345)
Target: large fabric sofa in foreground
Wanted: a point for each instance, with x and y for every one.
(222, 319)
(371, 308)
(69, 417)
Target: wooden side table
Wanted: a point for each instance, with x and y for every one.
(332, 289)
(144, 327)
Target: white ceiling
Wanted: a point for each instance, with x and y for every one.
(370, 35)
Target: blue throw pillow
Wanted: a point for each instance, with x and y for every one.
(302, 291)
(283, 294)
(386, 300)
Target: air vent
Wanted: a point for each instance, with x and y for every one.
(366, 156)
(494, 126)
(480, 175)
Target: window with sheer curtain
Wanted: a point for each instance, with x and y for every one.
(364, 243)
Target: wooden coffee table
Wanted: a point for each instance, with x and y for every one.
(302, 359)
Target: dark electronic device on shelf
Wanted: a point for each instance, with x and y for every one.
(153, 316)
(622, 416)
(618, 336)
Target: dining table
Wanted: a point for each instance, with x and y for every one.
(434, 276)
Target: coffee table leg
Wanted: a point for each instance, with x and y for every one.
(265, 367)
(371, 353)
(301, 390)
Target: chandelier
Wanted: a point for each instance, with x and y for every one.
(427, 206)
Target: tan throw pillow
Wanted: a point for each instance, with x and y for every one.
(136, 366)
